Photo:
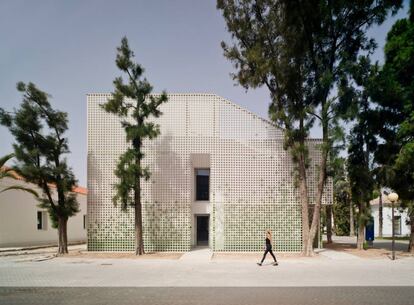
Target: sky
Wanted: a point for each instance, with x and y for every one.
(68, 48)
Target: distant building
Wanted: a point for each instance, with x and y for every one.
(219, 177)
(23, 223)
(400, 215)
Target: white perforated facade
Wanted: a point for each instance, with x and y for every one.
(252, 185)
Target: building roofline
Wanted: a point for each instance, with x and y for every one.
(385, 202)
(220, 97)
(78, 189)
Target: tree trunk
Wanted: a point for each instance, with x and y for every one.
(361, 226)
(361, 236)
(303, 193)
(329, 223)
(380, 215)
(63, 235)
(351, 219)
(317, 209)
(321, 179)
(411, 243)
(305, 208)
(139, 241)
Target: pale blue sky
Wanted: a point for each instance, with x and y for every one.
(67, 48)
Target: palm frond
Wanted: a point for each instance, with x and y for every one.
(4, 159)
(21, 188)
(7, 174)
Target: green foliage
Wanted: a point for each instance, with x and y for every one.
(39, 147)
(268, 51)
(342, 196)
(394, 98)
(341, 218)
(302, 51)
(362, 140)
(360, 173)
(132, 100)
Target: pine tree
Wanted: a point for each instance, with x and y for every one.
(299, 50)
(39, 148)
(342, 206)
(394, 98)
(133, 100)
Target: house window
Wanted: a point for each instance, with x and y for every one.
(84, 221)
(202, 184)
(41, 220)
(397, 225)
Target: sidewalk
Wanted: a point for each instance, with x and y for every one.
(199, 269)
(336, 255)
(200, 255)
(38, 250)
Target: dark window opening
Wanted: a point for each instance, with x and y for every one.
(39, 220)
(202, 230)
(202, 184)
(397, 225)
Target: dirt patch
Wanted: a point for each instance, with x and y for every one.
(373, 253)
(130, 255)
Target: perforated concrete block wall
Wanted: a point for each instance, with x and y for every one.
(252, 185)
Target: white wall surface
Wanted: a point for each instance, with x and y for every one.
(18, 218)
(387, 220)
(251, 178)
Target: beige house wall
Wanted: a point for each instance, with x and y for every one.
(18, 218)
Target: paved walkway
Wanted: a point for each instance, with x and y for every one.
(36, 250)
(336, 255)
(197, 268)
(201, 254)
(196, 271)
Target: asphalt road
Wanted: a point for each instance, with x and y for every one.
(208, 296)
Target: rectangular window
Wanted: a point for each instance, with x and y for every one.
(397, 225)
(39, 220)
(202, 184)
(84, 221)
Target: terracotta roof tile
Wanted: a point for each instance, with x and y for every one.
(77, 189)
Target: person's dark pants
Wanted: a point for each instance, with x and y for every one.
(271, 253)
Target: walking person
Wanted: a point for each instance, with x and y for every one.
(269, 248)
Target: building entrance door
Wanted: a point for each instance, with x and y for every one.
(202, 230)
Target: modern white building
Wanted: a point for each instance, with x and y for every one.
(23, 223)
(220, 177)
(402, 227)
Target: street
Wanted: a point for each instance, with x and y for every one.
(208, 296)
(203, 277)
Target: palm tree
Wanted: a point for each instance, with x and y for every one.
(8, 172)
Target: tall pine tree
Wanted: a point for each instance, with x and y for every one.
(299, 50)
(133, 100)
(394, 98)
(40, 146)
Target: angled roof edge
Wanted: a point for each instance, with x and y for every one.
(222, 98)
(77, 189)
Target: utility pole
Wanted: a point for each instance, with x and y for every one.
(380, 209)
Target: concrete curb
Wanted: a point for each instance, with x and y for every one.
(28, 248)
